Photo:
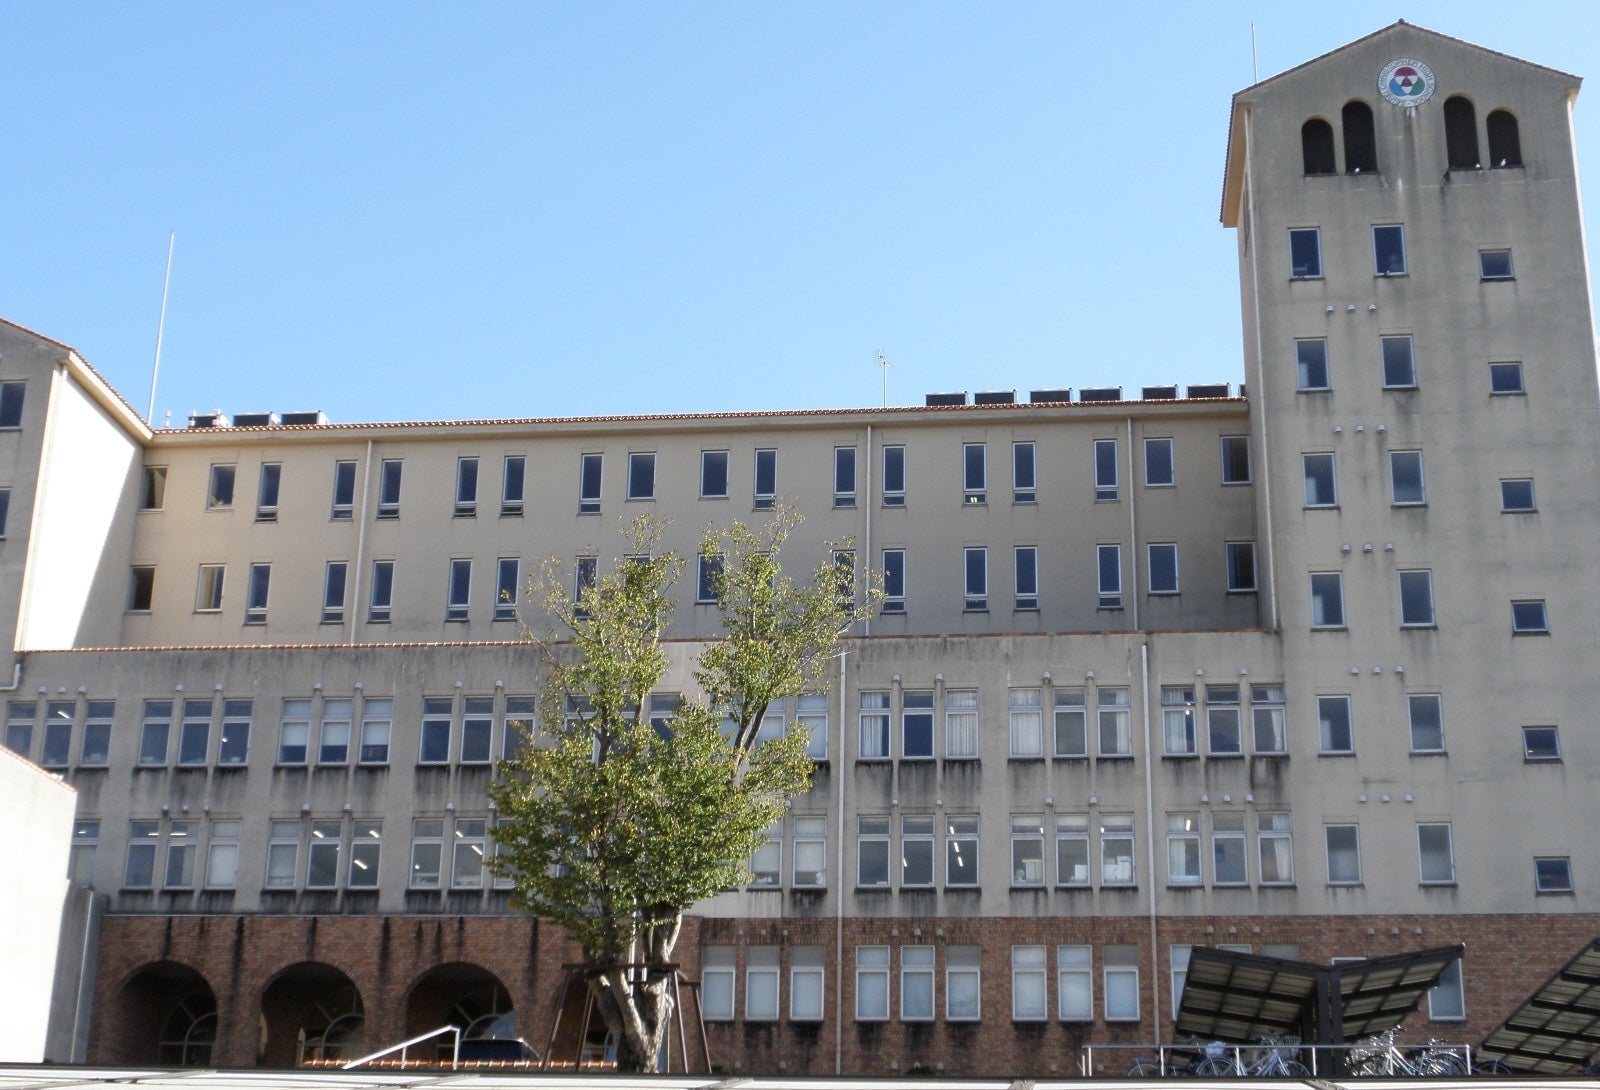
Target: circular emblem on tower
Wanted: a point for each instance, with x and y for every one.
(1406, 82)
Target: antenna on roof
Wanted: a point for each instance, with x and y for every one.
(883, 362)
(161, 326)
(1255, 73)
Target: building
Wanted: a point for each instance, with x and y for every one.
(1301, 665)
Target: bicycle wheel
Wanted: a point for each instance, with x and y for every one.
(1498, 1068)
(1436, 1064)
(1215, 1067)
(1144, 1068)
(1293, 1069)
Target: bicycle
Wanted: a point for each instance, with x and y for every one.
(1272, 1057)
(1382, 1056)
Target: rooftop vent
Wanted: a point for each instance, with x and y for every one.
(254, 420)
(217, 419)
(314, 417)
(1160, 393)
(1100, 393)
(1046, 396)
(946, 399)
(1213, 389)
(995, 397)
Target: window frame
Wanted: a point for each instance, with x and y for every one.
(466, 503)
(13, 398)
(974, 473)
(713, 462)
(507, 580)
(1354, 850)
(209, 584)
(343, 505)
(1523, 621)
(221, 485)
(1396, 459)
(1025, 577)
(872, 983)
(1232, 551)
(590, 464)
(1416, 584)
(1329, 742)
(1311, 371)
(1321, 488)
(1543, 755)
(1448, 845)
(458, 590)
(1379, 250)
(1414, 723)
(258, 585)
(1229, 446)
(1399, 369)
(894, 475)
(380, 593)
(391, 479)
(1490, 266)
(844, 476)
(1312, 268)
(762, 499)
(1501, 372)
(1106, 487)
(1555, 883)
(894, 580)
(1507, 506)
(1153, 477)
(269, 483)
(513, 485)
(975, 578)
(1024, 472)
(1030, 969)
(334, 588)
(1327, 588)
(1168, 551)
(1108, 567)
(641, 476)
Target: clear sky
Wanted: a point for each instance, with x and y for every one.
(445, 211)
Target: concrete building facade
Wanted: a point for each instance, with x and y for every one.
(1300, 665)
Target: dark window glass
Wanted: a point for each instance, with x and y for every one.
(766, 478)
(1316, 146)
(1461, 134)
(1389, 249)
(589, 484)
(1360, 145)
(1305, 253)
(642, 476)
(11, 404)
(844, 476)
(714, 473)
(1505, 144)
(894, 476)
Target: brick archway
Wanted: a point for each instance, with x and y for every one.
(463, 994)
(163, 1014)
(311, 1013)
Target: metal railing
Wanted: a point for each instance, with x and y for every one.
(404, 1049)
(1179, 1057)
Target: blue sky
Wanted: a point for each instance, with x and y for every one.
(446, 211)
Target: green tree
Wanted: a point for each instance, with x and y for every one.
(613, 827)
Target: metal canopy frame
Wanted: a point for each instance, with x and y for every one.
(1240, 998)
(1557, 1028)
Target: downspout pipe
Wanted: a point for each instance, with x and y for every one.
(837, 765)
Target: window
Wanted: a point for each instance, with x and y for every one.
(586, 572)
(97, 716)
(1495, 264)
(366, 847)
(717, 983)
(85, 845)
(283, 850)
(1389, 249)
(1333, 725)
(234, 746)
(208, 589)
(1427, 722)
(322, 854)
(1105, 470)
(916, 723)
(1072, 850)
(468, 853)
(642, 475)
(962, 983)
(267, 492)
(872, 983)
(1025, 566)
(1529, 618)
(333, 735)
(872, 852)
(377, 723)
(1399, 363)
(810, 852)
(477, 725)
(1229, 864)
(714, 478)
(1516, 494)
(1406, 487)
(1316, 147)
(513, 476)
(1435, 853)
(182, 843)
(1552, 874)
(1267, 717)
(708, 579)
(974, 473)
(1274, 838)
(427, 852)
(1319, 480)
(466, 488)
(1108, 559)
(894, 476)
(11, 404)
(1116, 850)
(507, 575)
(389, 488)
(460, 590)
(1241, 557)
(766, 475)
(761, 983)
(333, 581)
(294, 732)
(141, 587)
(916, 983)
(437, 714)
(1416, 599)
(1461, 134)
(916, 852)
(194, 734)
(255, 595)
(1071, 729)
(140, 870)
(1447, 999)
(382, 598)
(519, 726)
(222, 855)
(1360, 144)
(874, 720)
(1027, 851)
(1327, 600)
(1116, 738)
(766, 862)
(344, 490)
(1178, 721)
(153, 494)
(1235, 459)
(961, 851)
(894, 580)
(1505, 378)
(1024, 477)
(1344, 854)
(56, 748)
(1158, 463)
(1030, 1001)
(975, 563)
(811, 716)
(589, 468)
(1121, 983)
(1183, 850)
(1311, 363)
(961, 723)
(844, 476)
(219, 492)
(153, 733)
(1305, 253)
(1223, 734)
(1541, 744)
(1505, 144)
(1163, 568)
